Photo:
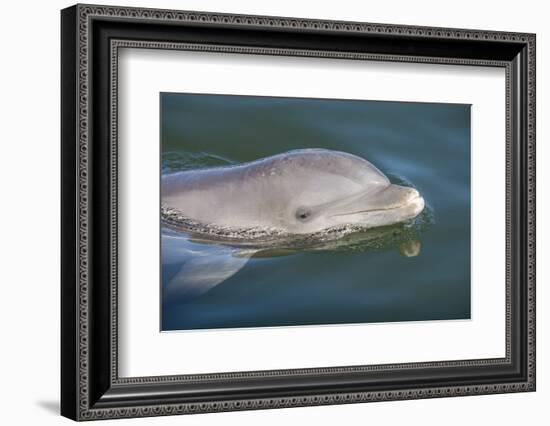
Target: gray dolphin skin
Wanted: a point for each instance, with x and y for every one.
(297, 192)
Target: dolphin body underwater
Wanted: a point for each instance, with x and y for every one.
(307, 192)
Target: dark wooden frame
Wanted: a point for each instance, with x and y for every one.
(90, 386)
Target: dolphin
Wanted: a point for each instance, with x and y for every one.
(303, 191)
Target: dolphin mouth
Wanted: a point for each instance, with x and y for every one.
(415, 201)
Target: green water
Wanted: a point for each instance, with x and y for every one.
(409, 272)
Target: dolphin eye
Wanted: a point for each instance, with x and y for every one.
(303, 213)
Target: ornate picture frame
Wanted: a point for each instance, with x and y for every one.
(91, 37)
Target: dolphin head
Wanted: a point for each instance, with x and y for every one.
(384, 206)
(354, 192)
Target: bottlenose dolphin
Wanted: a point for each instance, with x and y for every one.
(297, 192)
(299, 200)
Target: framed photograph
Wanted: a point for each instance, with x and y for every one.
(263, 212)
